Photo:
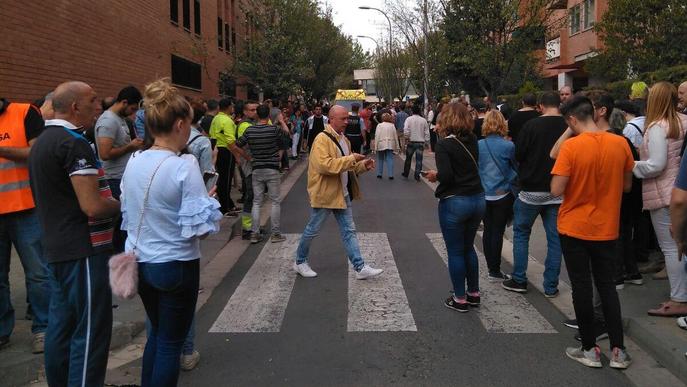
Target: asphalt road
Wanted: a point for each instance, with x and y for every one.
(311, 332)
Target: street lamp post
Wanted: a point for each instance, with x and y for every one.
(369, 37)
(390, 41)
(387, 19)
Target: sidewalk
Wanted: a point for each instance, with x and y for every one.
(18, 366)
(660, 337)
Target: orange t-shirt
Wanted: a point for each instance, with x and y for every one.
(595, 162)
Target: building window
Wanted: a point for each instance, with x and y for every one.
(220, 33)
(227, 35)
(575, 19)
(187, 14)
(186, 73)
(196, 16)
(588, 14)
(174, 11)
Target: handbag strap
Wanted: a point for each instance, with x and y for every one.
(494, 159)
(466, 150)
(145, 199)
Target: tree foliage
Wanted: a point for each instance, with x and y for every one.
(392, 72)
(297, 47)
(493, 44)
(408, 20)
(640, 36)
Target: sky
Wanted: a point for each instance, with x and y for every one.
(354, 21)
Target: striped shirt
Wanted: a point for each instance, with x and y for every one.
(264, 142)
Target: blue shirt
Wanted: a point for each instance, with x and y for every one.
(401, 119)
(681, 180)
(179, 209)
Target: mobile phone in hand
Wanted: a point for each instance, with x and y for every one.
(210, 179)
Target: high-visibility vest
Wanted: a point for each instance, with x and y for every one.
(15, 190)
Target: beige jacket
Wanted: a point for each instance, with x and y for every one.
(324, 173)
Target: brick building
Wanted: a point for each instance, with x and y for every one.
(110, 44)
(576, 42)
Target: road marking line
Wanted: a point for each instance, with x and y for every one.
(259, 302)
(378, 304)
(535, 275)
(501, 311)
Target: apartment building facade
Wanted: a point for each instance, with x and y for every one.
(574, 43)
(114, 43)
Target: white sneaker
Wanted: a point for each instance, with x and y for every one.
(304, 270)
(368, 272)
(189, 362)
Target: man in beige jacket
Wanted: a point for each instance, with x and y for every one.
(332, 184)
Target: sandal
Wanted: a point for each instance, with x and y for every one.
(669, 309)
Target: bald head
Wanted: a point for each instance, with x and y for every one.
(68, 93)
(338, 118)
(682, 95)
(75, 102)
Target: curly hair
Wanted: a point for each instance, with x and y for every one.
(494, 123)
(455, 119)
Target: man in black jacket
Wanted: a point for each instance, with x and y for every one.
(534, 143)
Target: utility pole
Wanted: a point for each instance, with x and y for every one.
(424, 28)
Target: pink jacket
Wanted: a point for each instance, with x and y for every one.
(656, 191)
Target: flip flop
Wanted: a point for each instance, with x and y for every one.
(667, 310)
(682, 322)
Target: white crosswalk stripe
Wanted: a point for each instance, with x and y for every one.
(259, 303)
(378, 304)
(501, 311)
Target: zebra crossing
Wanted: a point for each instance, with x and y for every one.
(259, 303)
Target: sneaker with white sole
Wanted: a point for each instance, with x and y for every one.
(304, 270)
(368, 272)
(498, 277)
(591, 358)
(38, 343)
(620, 359)
(190, 361)
(276, 238)
(682, 322)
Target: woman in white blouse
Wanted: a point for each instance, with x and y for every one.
(386, 144)
(166, 210)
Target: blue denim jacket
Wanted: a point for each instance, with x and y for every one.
(503, 151)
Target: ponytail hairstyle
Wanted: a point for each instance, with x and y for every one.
(164, 105)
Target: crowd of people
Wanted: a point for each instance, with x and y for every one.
(151, 173)
(606, 177)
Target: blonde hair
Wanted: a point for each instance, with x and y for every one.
(494, 123)
(662, 109)
(164, 105)
(455, 119)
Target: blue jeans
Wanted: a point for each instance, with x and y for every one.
(524, 217)
(169, 292)
(414, 148)
(77, 341)
(459, 217)
(189, 346)
(22, 230)
(346, 227)
(385, 156)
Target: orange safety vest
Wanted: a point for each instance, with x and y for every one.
(15, 190)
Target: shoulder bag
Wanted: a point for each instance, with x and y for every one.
(123, 266)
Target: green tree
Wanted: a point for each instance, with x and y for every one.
(297, 47)
(392, 72)
(494, 43)
(640, 36)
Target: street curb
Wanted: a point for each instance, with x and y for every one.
(669, 354)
